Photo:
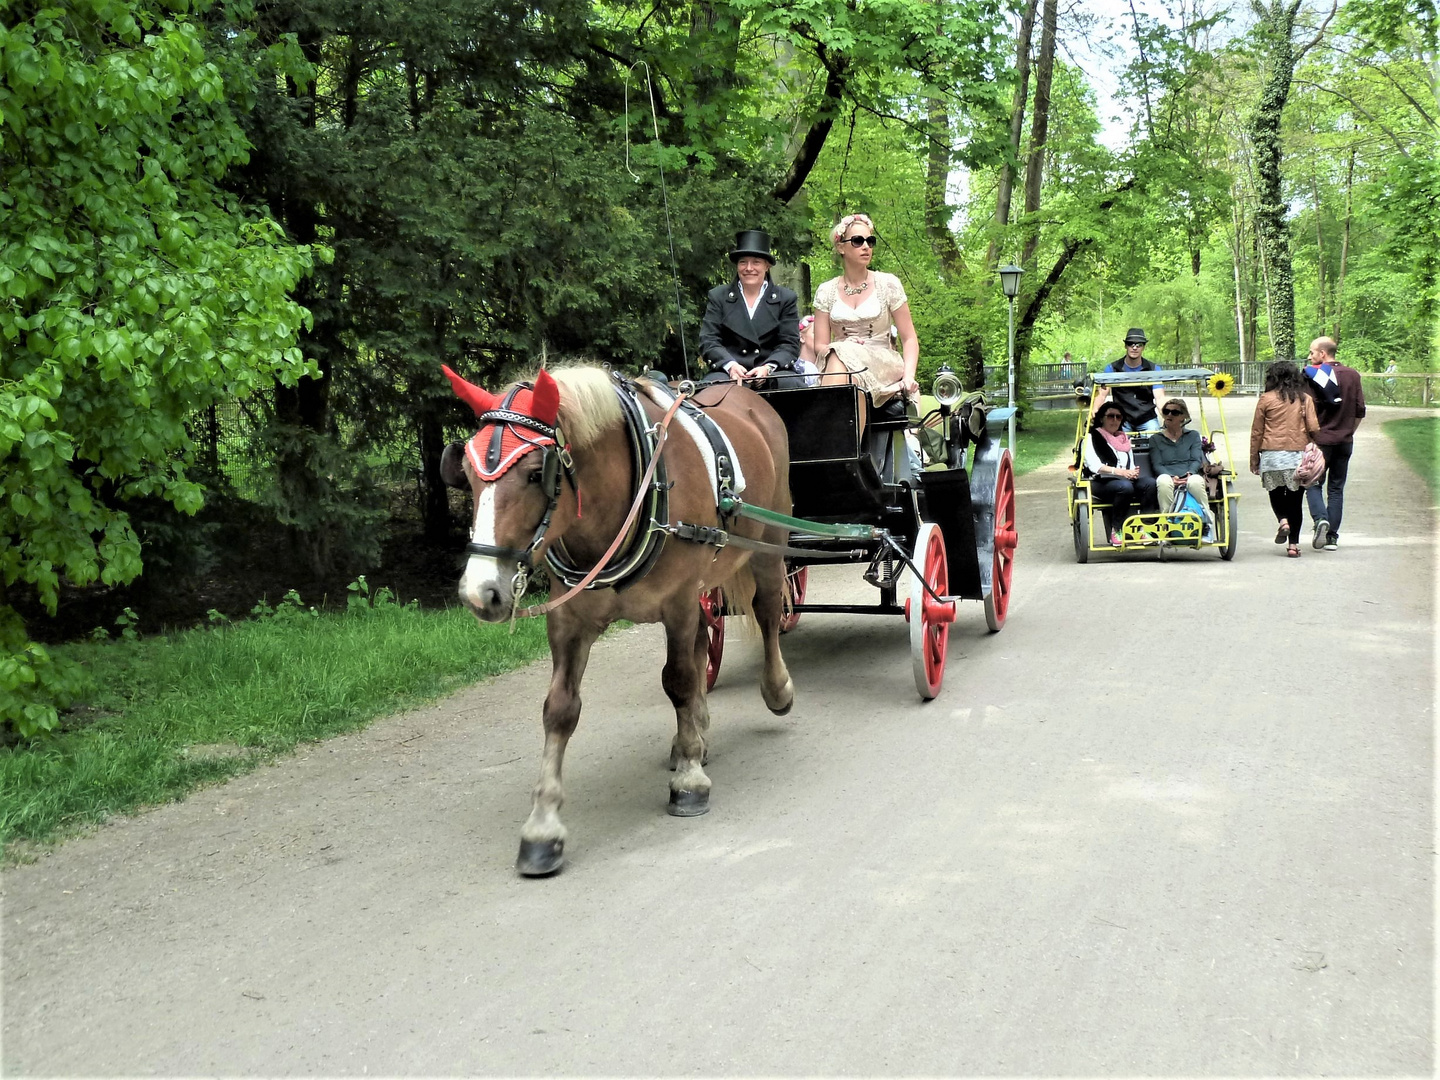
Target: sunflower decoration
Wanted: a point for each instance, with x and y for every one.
(1221, 384)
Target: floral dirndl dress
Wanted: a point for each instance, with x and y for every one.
(860, 332)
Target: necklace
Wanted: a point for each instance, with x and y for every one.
(854, 290)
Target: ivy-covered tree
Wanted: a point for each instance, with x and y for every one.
(134, 291)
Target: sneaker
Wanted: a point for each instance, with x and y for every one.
(1322, 532)
(1115, 540)
(1283, 535)
(1332, 542)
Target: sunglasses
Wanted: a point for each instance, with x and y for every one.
(861, 241)
(1113, 416)
(1135, 345)
(1172, 412)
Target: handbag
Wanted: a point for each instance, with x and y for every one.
(1311, 467)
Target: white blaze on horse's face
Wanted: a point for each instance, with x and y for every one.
(506, 515)
(485, 585)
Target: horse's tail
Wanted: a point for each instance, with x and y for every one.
(739, 591)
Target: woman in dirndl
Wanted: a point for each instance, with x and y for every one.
(853, 316)
(1284, 422)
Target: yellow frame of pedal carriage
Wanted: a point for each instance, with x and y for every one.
(1158, 530)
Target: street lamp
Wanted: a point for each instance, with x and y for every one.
(1010, 283)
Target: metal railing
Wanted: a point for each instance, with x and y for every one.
(1053, 385)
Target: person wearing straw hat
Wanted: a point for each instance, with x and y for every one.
(751, 328)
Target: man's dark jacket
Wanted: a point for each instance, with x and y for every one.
(728, 333)
(1338, 422)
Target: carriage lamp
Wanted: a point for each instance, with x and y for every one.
(947, 388)
(1010, 284)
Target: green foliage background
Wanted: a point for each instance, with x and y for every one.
(134, 291)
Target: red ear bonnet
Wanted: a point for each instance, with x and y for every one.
(545, 402)
(503, 440)
(472, 395)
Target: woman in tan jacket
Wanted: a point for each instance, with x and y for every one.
(1284, 422)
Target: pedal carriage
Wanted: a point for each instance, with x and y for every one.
(1168, 529)
(859, 497)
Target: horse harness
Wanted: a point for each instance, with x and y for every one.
(639, 554)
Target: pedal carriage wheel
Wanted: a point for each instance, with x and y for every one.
(997, 601)
(1080, 528)
(712, 617)
(929, 618)
(796, 580)
(1232, 527)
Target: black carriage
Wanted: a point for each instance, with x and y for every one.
(934, 494)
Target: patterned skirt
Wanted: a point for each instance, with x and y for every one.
(877, 369)
(1277, 469)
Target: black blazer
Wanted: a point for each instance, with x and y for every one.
(728, 333)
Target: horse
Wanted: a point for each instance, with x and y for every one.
(553, 470)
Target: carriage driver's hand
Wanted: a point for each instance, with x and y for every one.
(763, 371)
(736, 370)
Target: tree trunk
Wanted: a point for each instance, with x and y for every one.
(435, 501)
(814, 140)
(1319, 257)
(1238, 252)
(1017, 127)
(302, 411)
(1277, 24)
(1039, 128)
(937, 178)
(1070, 247)
(1256, 274)
(1344, 247)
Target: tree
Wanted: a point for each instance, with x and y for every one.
(133, 292)
(1280, 54)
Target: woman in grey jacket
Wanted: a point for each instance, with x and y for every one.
(1177, 456)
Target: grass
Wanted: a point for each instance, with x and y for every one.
(1418, 442)
(173, 713)
(1045, 434)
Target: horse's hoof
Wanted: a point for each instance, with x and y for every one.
(784, 701)
(540, 858)
(688, 803)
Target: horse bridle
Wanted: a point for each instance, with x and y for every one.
(555, 464)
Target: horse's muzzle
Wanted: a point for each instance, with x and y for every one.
(487, 593)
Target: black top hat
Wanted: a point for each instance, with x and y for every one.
(1135, 336)
(752, 242)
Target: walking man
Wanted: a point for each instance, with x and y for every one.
(1340, 405)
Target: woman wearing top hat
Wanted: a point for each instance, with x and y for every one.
(1138, 403)
(751, 328)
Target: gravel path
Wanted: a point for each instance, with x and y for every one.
(1176, 819)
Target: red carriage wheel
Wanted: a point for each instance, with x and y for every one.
(712, 616)
(795, 582)
(997, 602)
(929, 618)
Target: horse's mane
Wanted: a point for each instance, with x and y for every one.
(588, 406)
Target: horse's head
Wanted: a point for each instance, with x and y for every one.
(515, 488)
